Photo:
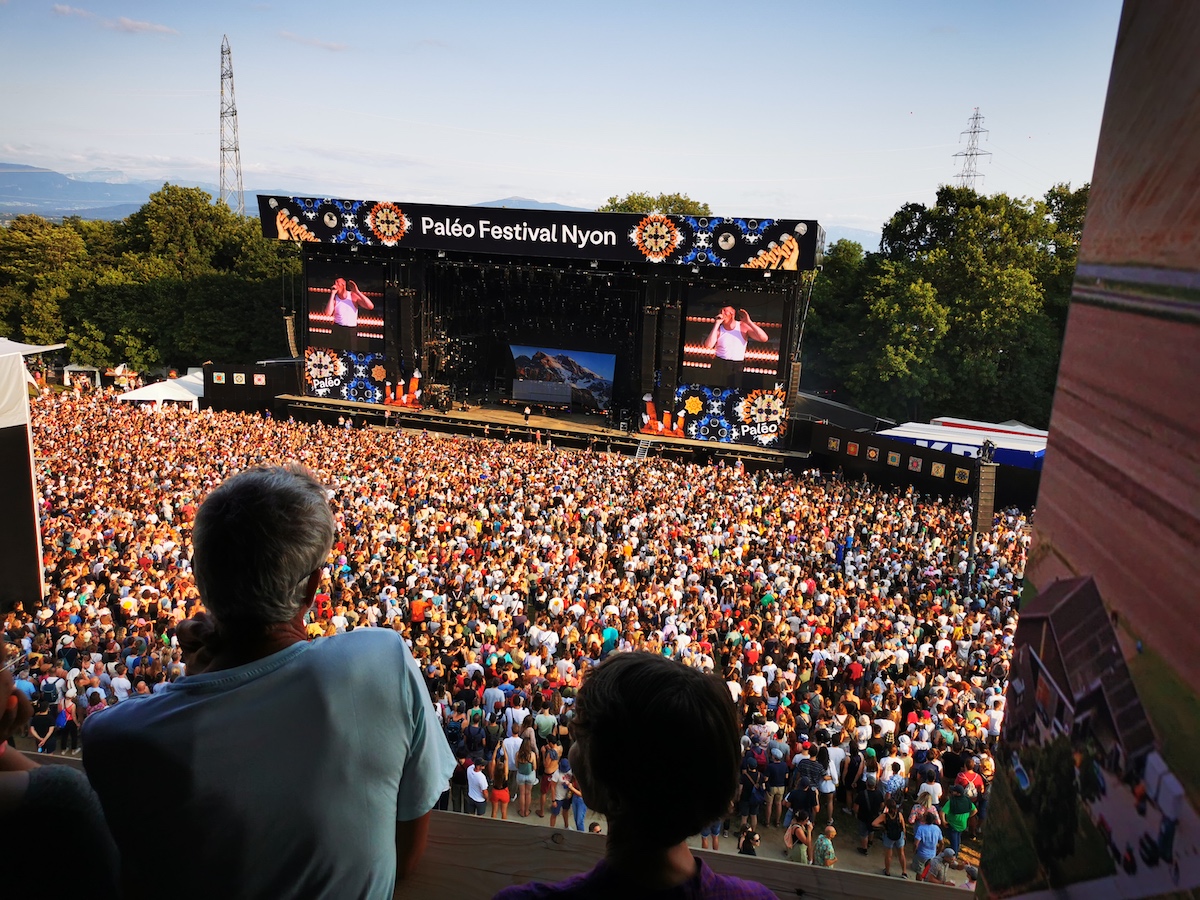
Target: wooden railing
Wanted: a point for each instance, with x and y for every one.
(470, 858)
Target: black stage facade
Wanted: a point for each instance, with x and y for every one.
(679, 329)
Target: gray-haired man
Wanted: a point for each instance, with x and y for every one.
(301, 769)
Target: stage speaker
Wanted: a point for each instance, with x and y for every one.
(793, 381)
(668, 349)
(985, 497)
(405, 346)
(391, 329)
(649, 336)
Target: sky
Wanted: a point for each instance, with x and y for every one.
(838, 112)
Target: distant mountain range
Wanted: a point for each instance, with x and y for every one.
(869, 239)
(526, 203)
(110, 194)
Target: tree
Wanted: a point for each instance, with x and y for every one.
(183, 226)
(957, 302)
(88, 346)
(667, 204)
(833, 332)
(1054, 796)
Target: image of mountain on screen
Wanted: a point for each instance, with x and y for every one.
(588, 388)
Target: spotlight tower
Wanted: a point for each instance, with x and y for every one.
(966, 178)
(231, 156)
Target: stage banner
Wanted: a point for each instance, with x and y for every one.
(344, 375)
(725, 415)
(727, 242)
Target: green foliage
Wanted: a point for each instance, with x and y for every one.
(1055, 800)
(88, 346)
(667, 204)
(962, 312)
(180, 281)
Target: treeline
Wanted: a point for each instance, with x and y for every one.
(961, 312)
(178, 282)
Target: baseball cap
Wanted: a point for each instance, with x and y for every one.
(972, 872)
(947, 853)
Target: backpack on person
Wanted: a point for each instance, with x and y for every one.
(48, 695)
(453, 730)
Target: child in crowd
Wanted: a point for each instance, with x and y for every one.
(626, 698)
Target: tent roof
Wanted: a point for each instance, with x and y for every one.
(8, 347)
(164, 390)
(193, 382)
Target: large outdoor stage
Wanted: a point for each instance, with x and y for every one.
(563, 429)
(686, 328)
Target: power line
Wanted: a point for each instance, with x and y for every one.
(966, 177)
(231, 156)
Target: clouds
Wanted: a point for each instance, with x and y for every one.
(133, 26)
(313, 42)
(122, 24)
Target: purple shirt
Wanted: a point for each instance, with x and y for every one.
(602, 882)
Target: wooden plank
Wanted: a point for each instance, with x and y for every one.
(471, 858)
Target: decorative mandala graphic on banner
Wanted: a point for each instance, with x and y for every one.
(321, 365)
(656, 236)
(344, 375)
(387, 223)
(361, 384)
(730, 416)
(762, 407)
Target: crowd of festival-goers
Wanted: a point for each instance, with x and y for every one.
(865, 648)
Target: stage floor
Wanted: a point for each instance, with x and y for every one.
(500, 421)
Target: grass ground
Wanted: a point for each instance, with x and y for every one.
(1174, 711)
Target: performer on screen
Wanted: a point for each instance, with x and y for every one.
(345, 300)
(731, 331)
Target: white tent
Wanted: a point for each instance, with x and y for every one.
(92, 373)
(187, 390)
(7, 347)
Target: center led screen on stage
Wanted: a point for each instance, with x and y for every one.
(731, 339)
(345, 353)
(562, 377)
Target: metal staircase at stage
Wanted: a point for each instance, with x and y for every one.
(643, 449)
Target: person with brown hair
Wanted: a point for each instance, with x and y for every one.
(623, 699)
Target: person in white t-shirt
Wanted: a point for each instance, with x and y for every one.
(122, 687)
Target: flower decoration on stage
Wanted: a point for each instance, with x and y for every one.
(379, 373)
(692, 400)
(323, 364)
(656, 237)
(387, 223)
